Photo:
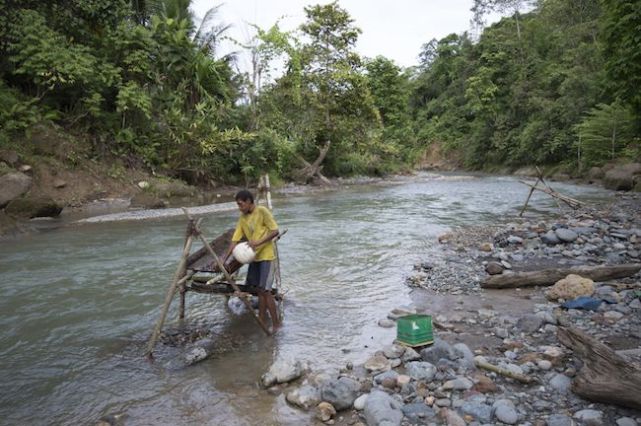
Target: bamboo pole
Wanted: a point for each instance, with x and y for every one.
(528, 198)
(503, 372)
(180, 273)
(229, 278)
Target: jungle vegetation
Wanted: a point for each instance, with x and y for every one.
(555, 82)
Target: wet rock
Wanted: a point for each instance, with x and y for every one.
(477, 409)
(529, 323)
(359, 403)
(393, 375)
(306, 396)
(566, 235)
(589, 417)
(494, 268)
(282, 371)
(501, 332)
(113, 420)
(420, 370)
(13, 185)
(460, 383)
(32, 207)
(440, 349)
(513, 239)
(386, 323)
(382, 410)
(393, 351)
(560, 420)
(417, 411)
(626, 421)
(465, 355)
(484, 384)
(410, 355)
(377, 363)
(612, 316)
(561, 383)
(451, 417)
(403, 379)
(550, 238)
(505, 411)
(195, 355)
(400, 312)
(325, 411)
(544, 364)
(486, 247)
(341, 393)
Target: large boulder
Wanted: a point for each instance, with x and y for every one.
(306, 396)
(595, 173)
(13, 185)
(10, 157)
(341, 393)
(174, 189)
(283, 371)
(570, 288)
(29, 208)
(148, 200)
(622, 177)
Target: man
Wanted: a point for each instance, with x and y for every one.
(256, 224)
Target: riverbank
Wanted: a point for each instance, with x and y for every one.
(515, 330)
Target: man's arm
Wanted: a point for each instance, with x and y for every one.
(231, 247)
(257, 243)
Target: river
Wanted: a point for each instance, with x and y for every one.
(79, 301)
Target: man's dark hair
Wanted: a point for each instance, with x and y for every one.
(244, 195)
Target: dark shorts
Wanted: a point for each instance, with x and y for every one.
(260, 274)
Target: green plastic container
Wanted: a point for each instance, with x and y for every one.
(414, 330)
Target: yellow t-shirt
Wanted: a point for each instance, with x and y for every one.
(254, 226)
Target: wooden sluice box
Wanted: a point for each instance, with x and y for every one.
(206, 276)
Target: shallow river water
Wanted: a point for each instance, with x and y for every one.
(79, 301)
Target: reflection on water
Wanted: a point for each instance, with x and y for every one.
(79, 302)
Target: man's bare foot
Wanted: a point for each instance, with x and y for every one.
(276, 327)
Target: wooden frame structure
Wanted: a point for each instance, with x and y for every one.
(203, 271)
(574, 204)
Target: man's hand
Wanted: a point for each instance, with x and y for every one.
(253, 244)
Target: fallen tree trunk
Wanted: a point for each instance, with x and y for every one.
(548, 277)
(605, 376)
(307, 173)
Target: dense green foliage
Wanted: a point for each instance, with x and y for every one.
(536, 87)
(142, 82)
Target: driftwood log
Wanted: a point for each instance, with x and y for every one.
(307, 173)
(605, 376)
(548, 277)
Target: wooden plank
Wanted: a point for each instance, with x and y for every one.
(201, 260)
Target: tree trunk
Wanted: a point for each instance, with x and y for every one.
(307, 173)
(548, 277)
(605, 376)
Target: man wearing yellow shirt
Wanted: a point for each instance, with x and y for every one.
(257, 225)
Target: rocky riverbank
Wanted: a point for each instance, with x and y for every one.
(513, 330)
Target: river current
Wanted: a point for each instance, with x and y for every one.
(79, 301)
